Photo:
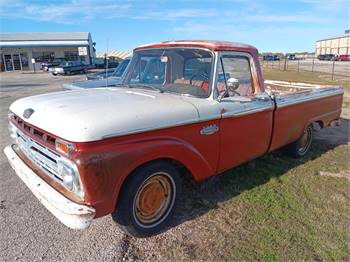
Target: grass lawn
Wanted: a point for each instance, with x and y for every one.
(292, 211)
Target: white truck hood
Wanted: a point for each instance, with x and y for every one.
(90, 115)
(96, 83)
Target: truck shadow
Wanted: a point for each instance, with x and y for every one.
(198, 199)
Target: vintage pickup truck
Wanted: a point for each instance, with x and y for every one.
(201, 106)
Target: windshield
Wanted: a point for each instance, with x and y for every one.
(65, 63)
(121, 68)
(176, 70)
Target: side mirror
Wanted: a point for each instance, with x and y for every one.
(232, 84)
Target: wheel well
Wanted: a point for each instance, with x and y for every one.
(181, 168)
(318, 124)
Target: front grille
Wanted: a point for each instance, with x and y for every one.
(41, 136)
(40, 155)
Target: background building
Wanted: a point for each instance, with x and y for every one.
(17, 50)
(117, 55)
(335, 45)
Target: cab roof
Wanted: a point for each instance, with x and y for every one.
(213, 45)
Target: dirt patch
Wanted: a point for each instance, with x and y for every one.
(343, 174)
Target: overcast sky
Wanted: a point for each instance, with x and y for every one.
(270, 25)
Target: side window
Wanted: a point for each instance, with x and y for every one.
(235, 67)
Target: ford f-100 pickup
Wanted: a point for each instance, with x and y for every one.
(199, 106)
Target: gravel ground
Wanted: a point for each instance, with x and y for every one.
(28, 230)
(30, 233)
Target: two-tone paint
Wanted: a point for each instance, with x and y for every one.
(116, 131)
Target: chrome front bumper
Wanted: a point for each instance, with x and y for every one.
(71, 214)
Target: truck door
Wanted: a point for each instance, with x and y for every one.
(246, 122)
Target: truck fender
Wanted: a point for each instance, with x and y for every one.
(164, 148)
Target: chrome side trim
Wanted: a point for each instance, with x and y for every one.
(293, 99)
(155, 128)
(241, 106)
(246, 112)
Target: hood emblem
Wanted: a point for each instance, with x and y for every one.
(28, 112)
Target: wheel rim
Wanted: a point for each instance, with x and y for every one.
(305, 141)
(154, 200)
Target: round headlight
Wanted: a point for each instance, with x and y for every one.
(70, 176)
(67, 177)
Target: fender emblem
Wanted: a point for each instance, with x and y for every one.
(209, 130)
(28, 112)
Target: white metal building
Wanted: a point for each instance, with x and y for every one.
(335, 45)
(119, 55)
(18, 50)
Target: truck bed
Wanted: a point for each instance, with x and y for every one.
(299, 105)
(287, 89)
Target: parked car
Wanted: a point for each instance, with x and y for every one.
(112, 80)
(47, 65)
(115, 72)
(326, 57)
(342, 58)
(68, 68)
(103, 63)
(124, 150)
(292, 57)
(271, 58)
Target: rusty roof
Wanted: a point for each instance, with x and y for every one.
(213, 45)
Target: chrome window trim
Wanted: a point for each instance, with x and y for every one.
(244, 105)
(250, 58)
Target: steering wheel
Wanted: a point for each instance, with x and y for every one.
(234, 91)
(198, 74)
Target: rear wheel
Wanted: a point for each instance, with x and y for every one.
(148, 199)
(302, 146)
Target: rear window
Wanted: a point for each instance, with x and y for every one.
(197, 68)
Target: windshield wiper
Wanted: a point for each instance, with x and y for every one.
(146, 86)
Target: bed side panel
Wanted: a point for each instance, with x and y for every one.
(291, 119)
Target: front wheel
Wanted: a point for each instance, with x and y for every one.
(302, 146)
(148, 199)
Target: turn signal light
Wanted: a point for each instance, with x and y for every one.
(63, 147)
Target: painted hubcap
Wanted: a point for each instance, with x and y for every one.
(305, 141)
(153, 199)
